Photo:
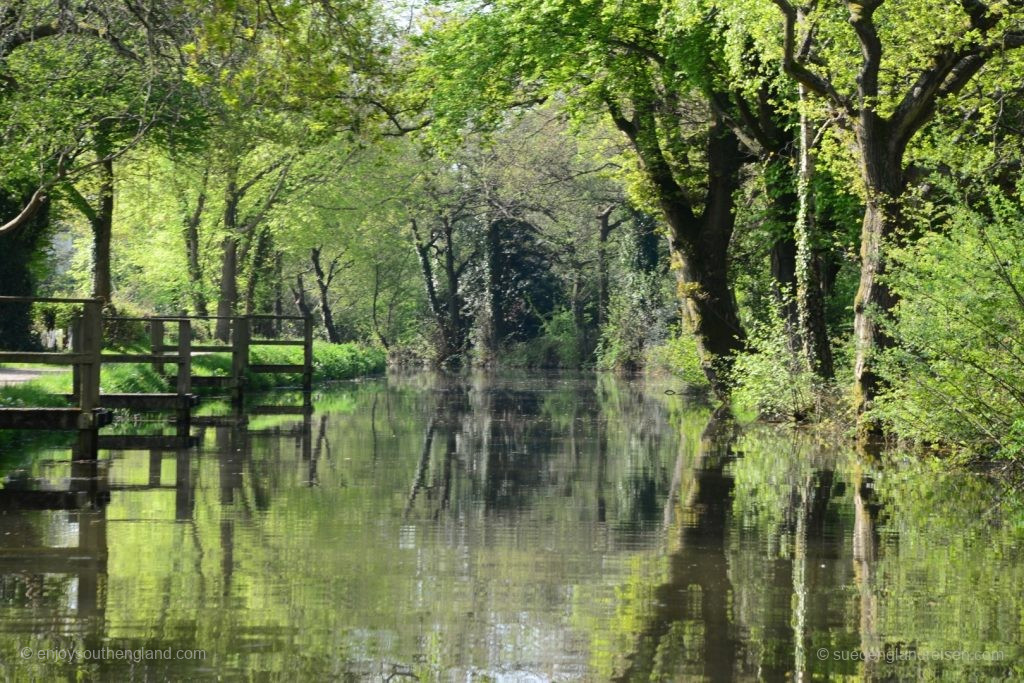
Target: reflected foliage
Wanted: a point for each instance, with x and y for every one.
(554, 526)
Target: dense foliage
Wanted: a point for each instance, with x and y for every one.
(800, 207)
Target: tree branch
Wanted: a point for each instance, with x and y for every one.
(798, 70)
(81, 203)
(862, 19)
(34, 204)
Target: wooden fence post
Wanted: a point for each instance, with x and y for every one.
(239, 356)
(156, 343)
(184, 384)
(91, 335)
(75, 331)
(307, 354)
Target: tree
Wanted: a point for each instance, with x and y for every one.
(894, 95)
(657, 72)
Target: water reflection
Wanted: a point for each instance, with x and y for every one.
(533, 527)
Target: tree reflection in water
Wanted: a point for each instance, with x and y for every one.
(553, 526)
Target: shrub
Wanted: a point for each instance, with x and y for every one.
(559, 345)
(678, 356)
(639, 314)
(773, 379)
(956, 378)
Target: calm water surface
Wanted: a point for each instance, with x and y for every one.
(515, 528)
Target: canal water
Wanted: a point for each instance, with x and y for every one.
(526, 527)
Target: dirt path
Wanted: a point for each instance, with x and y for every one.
(10, 376)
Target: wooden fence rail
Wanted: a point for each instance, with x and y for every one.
(240, 346)
(87, 416)
(91, 407)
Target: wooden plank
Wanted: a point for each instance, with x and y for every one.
(43, 358)
(146, 442)
(276, 342)
(147, 402)
(219, 420)
(211, 348)
(15, 499)
(155, 358)
(44, 300)
(281, 410)
(52, 418)
(206, 381)
(276, 368)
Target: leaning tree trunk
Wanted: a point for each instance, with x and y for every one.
(323, 284)
(299, 291)
(700, 244)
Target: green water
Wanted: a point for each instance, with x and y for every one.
(514, 528)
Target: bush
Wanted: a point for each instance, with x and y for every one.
(639, 315)
(773, 379)
(678, 356)
(956, 378)
(559, 345)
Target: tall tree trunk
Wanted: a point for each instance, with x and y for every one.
(809, 267)
(103, 221)
(373, 308)
(195, 266)
(323, 283)
(604, 230)
(257, 267)
(227, 302)
(700, 244)
(700, 249)
(495, 329)
(278, 290)
(885, 182)
(260, 269)
(453, 301)
(783, 252)
(228, 299)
